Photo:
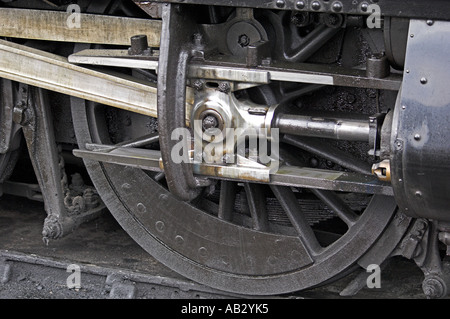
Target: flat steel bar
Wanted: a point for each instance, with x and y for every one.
(52, 72)
(92, 28)
(223, 70)
(114, 57)
(285, 176)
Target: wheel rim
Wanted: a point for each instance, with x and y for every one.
(211, 249)
(249, 255)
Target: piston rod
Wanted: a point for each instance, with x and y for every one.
(325, 127)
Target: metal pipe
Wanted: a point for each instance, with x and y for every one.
(332, 128)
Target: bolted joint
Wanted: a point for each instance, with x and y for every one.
(52, 229)
(56, 227)
(302, 19)
(139, 45)
(198, 85)
(434, 287)
(224, 87)
(377, 66)
(22, 115)
(210, 122)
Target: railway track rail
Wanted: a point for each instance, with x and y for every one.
(119, 269)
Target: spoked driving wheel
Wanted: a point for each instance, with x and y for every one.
(239, 236)
(245, 238)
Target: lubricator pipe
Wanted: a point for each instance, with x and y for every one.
(325, 127)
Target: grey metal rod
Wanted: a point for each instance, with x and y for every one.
(332, 128)
(317, 147)
(337, 205)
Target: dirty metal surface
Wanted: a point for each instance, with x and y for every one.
(53, 72)
(433, 9)
(60, 26)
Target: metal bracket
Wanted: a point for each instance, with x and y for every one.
(421, 245)
(178, 32)
(218, 69)
(285, 176)
(375, 125)
(32, 112)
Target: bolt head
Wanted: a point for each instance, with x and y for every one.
(280, 3)
(315, 5)
(210, 122)
(198, 85)
(364, 7)
(300, 5)
(224, 87)
(244, 40)
(337, 6)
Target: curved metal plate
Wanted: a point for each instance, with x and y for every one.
(420, 162)
(193, 234)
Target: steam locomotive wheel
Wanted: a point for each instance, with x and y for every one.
(240, 249)
(244, 238)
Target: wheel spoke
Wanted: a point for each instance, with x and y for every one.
(290, 204)
(159, 176)
(337, 205)
(257, 205)
(329, 152)
(227, 199)
(141, 141)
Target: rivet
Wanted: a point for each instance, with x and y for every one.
(300, 5)
(160, 226)
(364, 7)
(315, 5)
(126, 186)
(337, 6)
(203, 252)
(404, 107)
(272, 260)
(179, 239)
(418, 194)
(430, 22)
(280, 3)
(424, 80)
(417, 137)
(411, 35)
(141, 208)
